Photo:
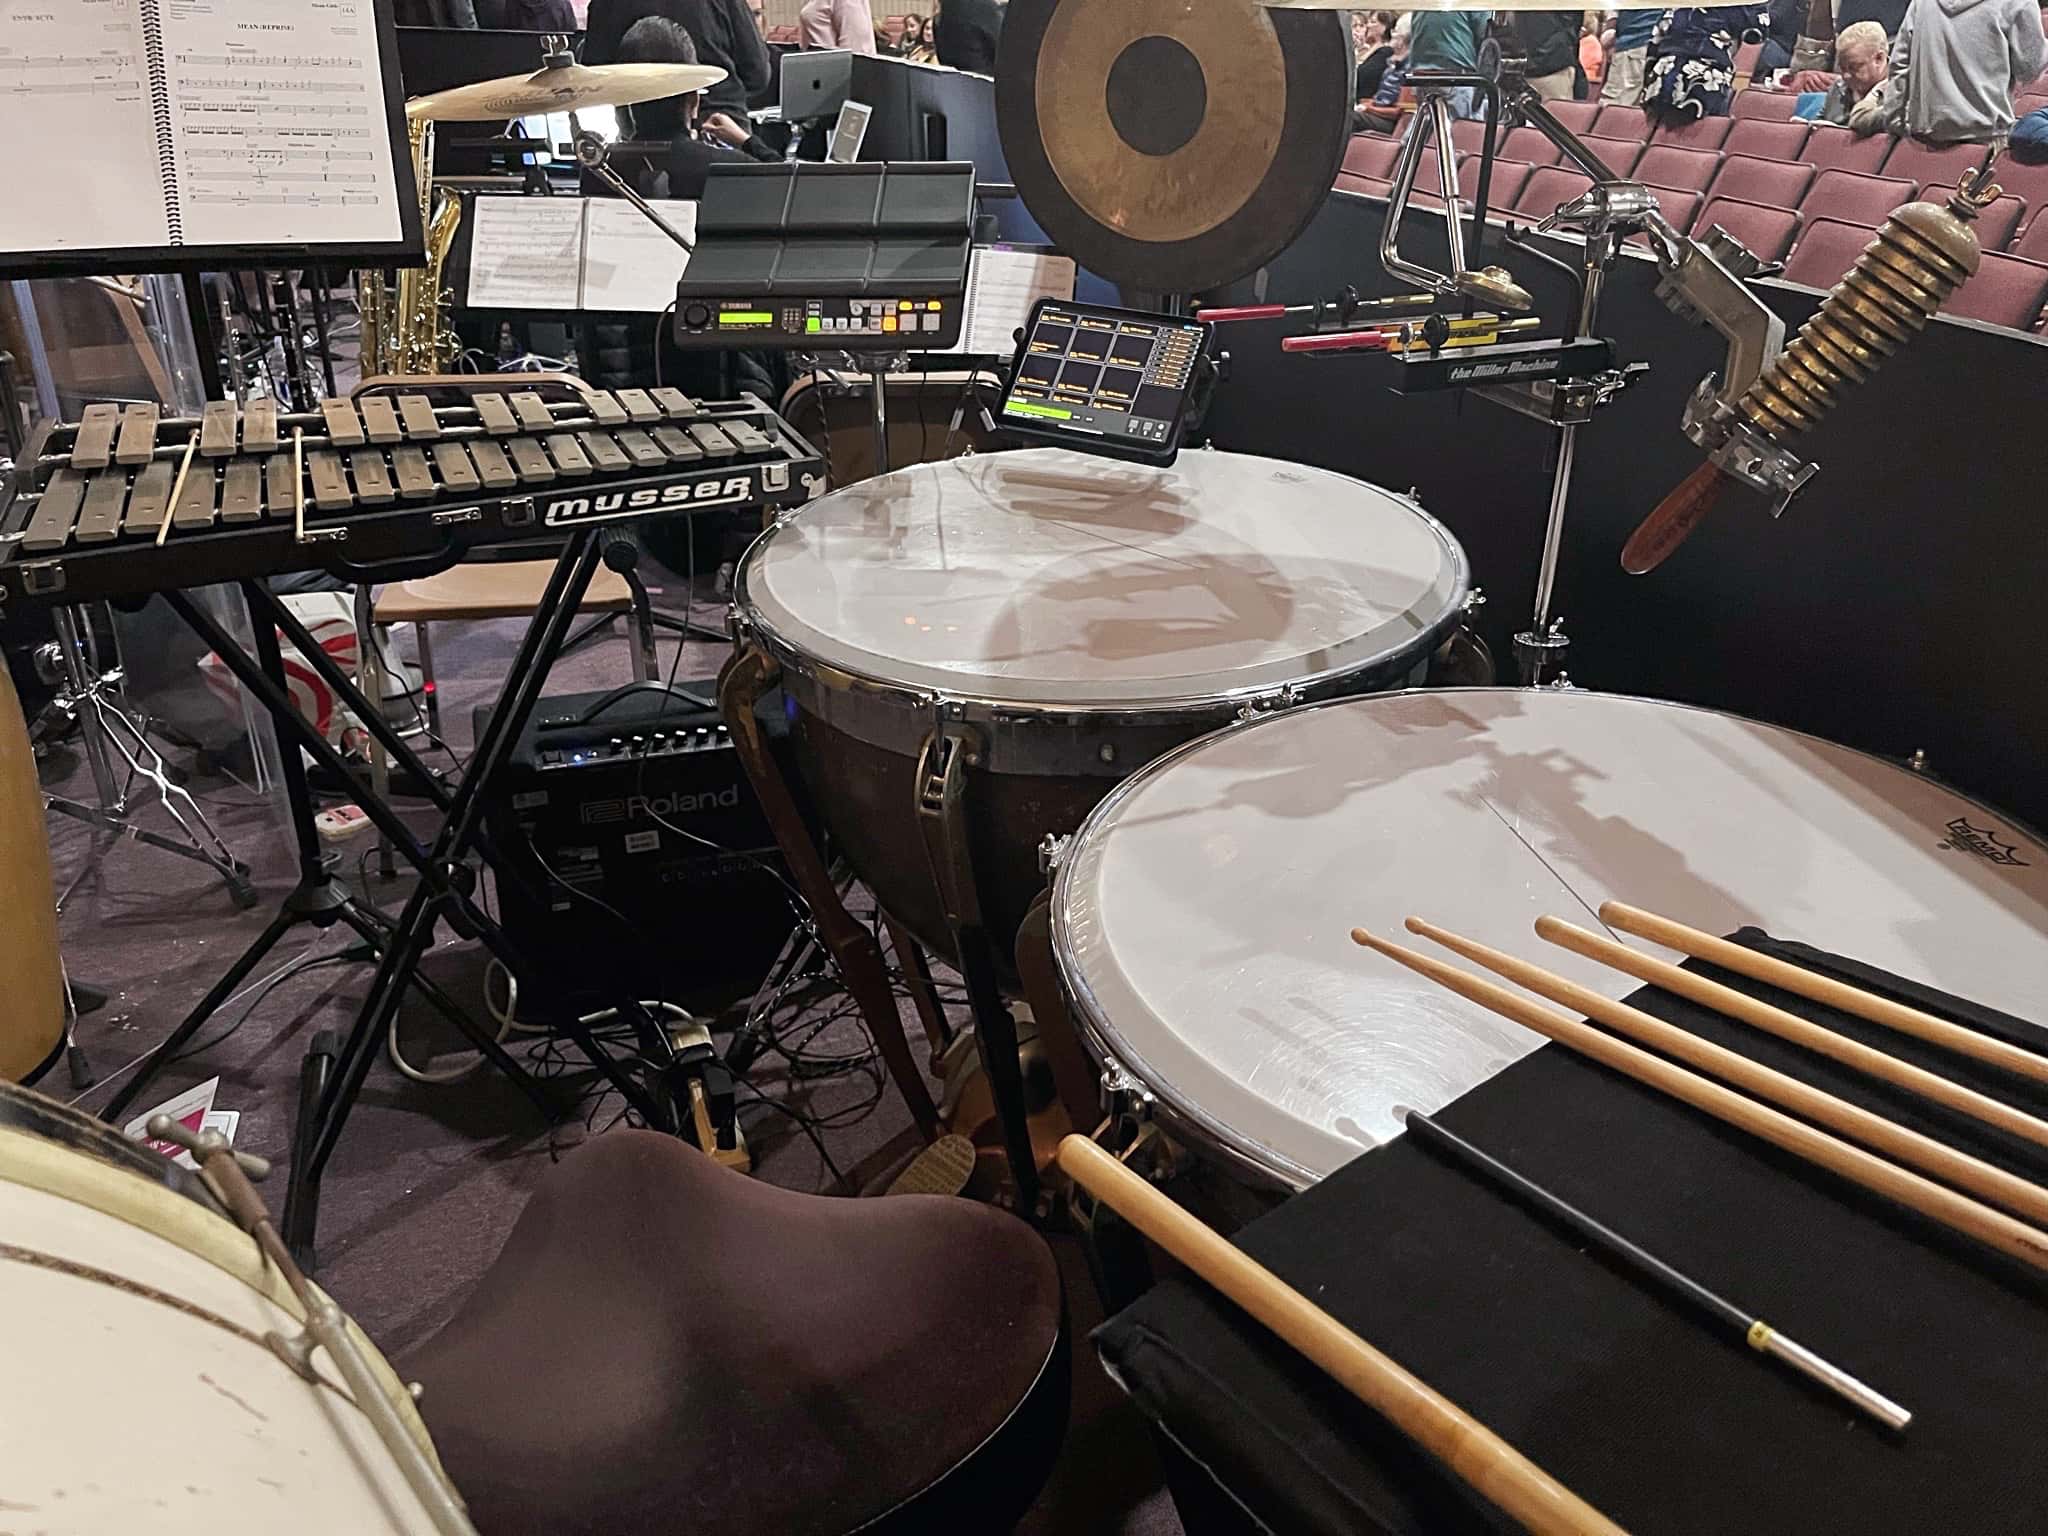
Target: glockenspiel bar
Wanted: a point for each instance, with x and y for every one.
(149, 499)
(604, 453)
(533, 412)
(259, 427)
(747, 437)
(344, 427)
(49, 529)
(194, 507)
(380, 420)
(531, 460)
(373, 480)
(492, 465)
(421, 424)
(641, 449)
(679, 406)
(495, 414)
(605, 408)
(241, 491)
(568, 454)
(451, 462)
(415, 480)
(640, 407)
(93, 448)
(716, 444)
(100, 518)
(217, 426)
(280, 484)
(330, 482)
(678, 445)
(138, 435)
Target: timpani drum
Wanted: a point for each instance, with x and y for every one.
(1202, 916)
(141, 1394)
(1071, 618)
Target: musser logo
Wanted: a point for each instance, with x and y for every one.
(642, 807)
(1982, 841)
(603, 505)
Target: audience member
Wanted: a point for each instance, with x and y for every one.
(721, 31)
(1630, 61)
(1372, 46)
(1384, 110)
(1593, 45)
(1856, 100)
(1449, 40)
(658, 40)
(2030, 138)
(435, 13)
(1956, 66)
(527, 16)
(1690, 71)
(965, 34)
(1781, 35)
(1551, 41)
(848, 24)
(915, 43)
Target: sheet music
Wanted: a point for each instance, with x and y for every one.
(628, 264)
(1002, 285)
(75, 110)
(277, 107)
(527, 253)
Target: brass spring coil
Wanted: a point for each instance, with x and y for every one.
(1923, 254)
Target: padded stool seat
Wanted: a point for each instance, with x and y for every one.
(665, 1345)
(492, 589)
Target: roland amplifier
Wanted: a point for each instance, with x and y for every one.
(630, 811)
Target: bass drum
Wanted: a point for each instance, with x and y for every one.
(1072, 618)
(1202, 917)
(33, 1028)
(141, 1393)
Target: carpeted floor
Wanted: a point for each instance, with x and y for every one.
(428, 1179)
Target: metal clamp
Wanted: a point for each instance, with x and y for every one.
(1739, 450)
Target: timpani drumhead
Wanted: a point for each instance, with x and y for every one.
(1049, 579)
(1202, 917)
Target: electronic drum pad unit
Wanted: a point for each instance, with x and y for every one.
(1173, 146)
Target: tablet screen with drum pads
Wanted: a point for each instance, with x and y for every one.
(1660, 1421)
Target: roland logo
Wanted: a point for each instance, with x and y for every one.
(647, 807)
(603, 506)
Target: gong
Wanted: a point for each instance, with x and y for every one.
(1173, 145)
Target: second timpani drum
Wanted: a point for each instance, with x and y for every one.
(1072, 618)
(1202, 917)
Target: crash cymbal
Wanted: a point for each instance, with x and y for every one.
(566, 89)
(1169, 146)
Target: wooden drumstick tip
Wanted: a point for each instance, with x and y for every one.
(1677, 515)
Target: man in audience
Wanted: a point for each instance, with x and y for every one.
(1856, 100)
(658, 40)
(1956, 66)
(722, 32)
(965, 34)
(1625, 70)
(1449, 40)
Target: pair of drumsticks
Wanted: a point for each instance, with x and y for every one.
(1489, 1464)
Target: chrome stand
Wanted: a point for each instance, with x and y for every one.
(92, 698)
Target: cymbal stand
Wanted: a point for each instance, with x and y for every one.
(92, 698)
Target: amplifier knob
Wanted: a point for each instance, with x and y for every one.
(696, 316)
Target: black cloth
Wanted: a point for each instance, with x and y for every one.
(526, 15)
(690, 161)
(966, 34)
(1550, 38)
(1370, 69)
(1889, 14)
(435, 13)
(709, 27)
(1662, 1422)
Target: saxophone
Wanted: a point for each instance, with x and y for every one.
(405, 324)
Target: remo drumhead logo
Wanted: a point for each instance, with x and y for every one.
(1982, 841)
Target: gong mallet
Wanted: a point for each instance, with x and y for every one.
(1801, 1032)
(1824, 990)
(1494, 1469)
(1753, 1331)
(1888, 1136)
(1937, 1202)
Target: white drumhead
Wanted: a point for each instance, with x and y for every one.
(1203, 915)
(1045, 577)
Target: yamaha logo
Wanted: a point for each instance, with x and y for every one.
(568, 511)
(646, 807)
(1983, 842)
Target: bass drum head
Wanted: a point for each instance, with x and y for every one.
(1202, 916)
(35, 1115)
(1044, 580)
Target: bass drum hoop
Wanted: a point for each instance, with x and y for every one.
(1185, 1121)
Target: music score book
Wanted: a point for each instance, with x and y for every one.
(160, 135)
(1002, 285)
(593, 254)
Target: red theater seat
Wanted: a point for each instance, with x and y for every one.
(1369, 186)
(1768, 232)
(1371, 154)
(1829, 148)
(1665, 165)
(1920, 163)
(1615, 122)
(1469, 134)
(1618, 155)
(1678, 204)
(1772, 105)
(1549, 186)
(2007, 290)
(1699, 133)
(1575, 115)
(1529, 146)
(1509, 177)
(1827, 248)
(1764, 139)
(2023, 181)
(1855, 199)
(1774, 183)
(2034, 243)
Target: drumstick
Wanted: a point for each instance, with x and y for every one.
(177, 489)
(1753, 1331)
(1937, 1202)
(1823, 989)
(1887, 1136)
(1802, 1032)
(1495, 1469)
